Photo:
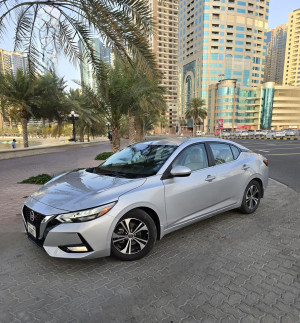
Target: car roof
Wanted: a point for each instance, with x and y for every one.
(177, 141)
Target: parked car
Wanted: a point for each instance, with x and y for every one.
(258, 133)
(280, 133)
(142, 193)
(271, 134)
(238, 134)
(200, 133)
(226, 134)
(291, 133)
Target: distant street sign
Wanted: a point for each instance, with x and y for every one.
(221, 123)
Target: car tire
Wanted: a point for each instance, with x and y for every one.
(134, 236)
(251, 198)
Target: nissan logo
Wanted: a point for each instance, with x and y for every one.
(31, 216)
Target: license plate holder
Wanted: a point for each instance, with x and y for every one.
(31, 229)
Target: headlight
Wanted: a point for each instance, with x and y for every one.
(86, 215)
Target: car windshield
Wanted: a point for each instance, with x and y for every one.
(139, 160)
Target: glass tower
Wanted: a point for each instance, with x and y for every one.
(220, 39)
(86, 71)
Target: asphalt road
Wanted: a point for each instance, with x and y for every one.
(283, 156)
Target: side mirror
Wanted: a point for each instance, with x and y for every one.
(180, 171)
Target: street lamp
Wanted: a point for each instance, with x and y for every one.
(73, 116)
(108, 133)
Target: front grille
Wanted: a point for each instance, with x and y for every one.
(38, 218)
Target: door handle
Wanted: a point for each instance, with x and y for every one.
(210, 178)
(245, 167)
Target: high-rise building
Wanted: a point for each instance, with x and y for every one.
(220, 39)
(267, 106)
(11, 62)
(276, 42)
(164, 44)
(292, 53)
(103, 52)
(228, 98)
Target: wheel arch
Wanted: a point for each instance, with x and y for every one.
(154, 217)
(260, 183)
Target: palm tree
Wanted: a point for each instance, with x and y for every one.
(18, 91)
(122, 24)
(196, 111)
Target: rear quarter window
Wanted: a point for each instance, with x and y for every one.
(235, 152)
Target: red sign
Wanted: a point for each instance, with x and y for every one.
(221, 123)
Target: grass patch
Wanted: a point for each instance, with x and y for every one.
(39, 179)
(103, 156)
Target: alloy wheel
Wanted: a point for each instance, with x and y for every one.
(252, 197)
(130, 236)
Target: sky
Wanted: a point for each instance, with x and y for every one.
(279, 13)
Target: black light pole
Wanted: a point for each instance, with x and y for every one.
(108, 134)
(73, 116)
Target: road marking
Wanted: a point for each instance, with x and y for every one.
(265, 151)
(283, 154)
(281, 148)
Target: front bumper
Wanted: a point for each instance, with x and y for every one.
(54, 236)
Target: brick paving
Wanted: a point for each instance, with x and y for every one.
(230, 268)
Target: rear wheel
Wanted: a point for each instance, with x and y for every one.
(251, 198)
(134, 236)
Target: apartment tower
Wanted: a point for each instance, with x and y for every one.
(276, 43)
(292, 52)
(220, 40)
(164, 44)
(10, 62)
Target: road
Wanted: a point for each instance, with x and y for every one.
(284, 158)
(229, 268)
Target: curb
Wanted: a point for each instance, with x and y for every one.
(39, 150)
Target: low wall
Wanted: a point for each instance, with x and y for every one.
(38, 150)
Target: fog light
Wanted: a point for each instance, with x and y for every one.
(77, 249)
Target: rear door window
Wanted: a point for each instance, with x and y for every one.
(221, 153)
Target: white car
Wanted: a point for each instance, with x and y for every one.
(280, 133)
(142, 193)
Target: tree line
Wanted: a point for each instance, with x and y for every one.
(123, 95)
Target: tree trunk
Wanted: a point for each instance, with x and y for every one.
(139, 128)
(131, 130)
(81, 135)
(24, 127)
(194, 128)
(88, 133)
(115, 143)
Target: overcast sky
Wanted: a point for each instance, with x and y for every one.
(279, 13)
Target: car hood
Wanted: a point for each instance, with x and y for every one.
(79, 190)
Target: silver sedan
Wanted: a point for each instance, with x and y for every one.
(142, 193)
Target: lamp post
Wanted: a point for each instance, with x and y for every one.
(108, 133)
(73, 116)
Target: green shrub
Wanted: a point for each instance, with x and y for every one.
(103, 156)
(39, 179)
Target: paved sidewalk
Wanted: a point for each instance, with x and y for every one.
(230, 268)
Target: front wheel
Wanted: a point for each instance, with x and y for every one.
(134, 236)
(251, 198)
